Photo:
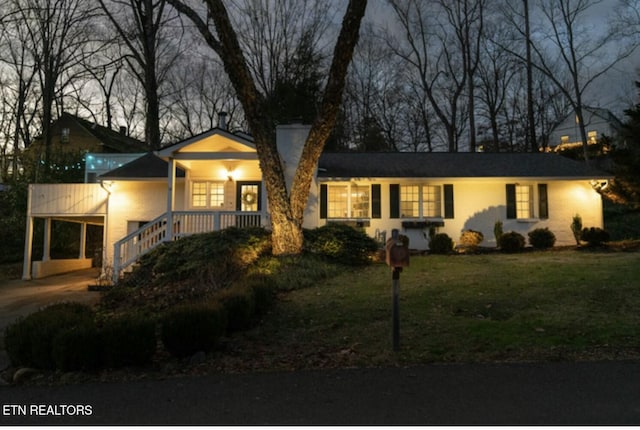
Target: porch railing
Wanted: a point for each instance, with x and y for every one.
(131, 247)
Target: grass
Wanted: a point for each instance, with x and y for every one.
(554, 305)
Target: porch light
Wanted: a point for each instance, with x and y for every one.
(229, 172)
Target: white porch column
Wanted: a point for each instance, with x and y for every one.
(28, 243)
(170, 198)
(46, 251)
(83, 240)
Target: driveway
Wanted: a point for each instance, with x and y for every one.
(20, 298)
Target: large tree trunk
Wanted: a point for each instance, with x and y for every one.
(286, 206)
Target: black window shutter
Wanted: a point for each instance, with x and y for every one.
(543, 202)
(448, 201)
(323, 201)
(511, 201)
(376, 207)
(394, 201)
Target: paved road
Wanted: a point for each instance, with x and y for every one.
(517, 394)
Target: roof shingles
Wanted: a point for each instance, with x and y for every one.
(452, 165)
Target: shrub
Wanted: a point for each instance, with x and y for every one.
(29, 341)
(512, 242)
(441, 243)
(78, 348)
(576, 228)
(341, 243)
(471, 238)
(594, 236)
(497, 231)
(188, 329)
(239, 307)
(128, 341)
(542, 238)
(214, 258)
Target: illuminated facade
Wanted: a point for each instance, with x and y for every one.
(213, 181)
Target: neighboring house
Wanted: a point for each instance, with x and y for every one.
(598, 122)
(213, 181)
(73, 135)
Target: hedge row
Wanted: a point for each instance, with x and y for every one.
(66, 336)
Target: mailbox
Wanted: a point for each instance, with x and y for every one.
(397, 251)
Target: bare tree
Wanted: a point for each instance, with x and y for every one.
(199, 91)
(58, 32)
(152, 48)
(375, 95)
(287, 206)
(20, 98)
(466, 21)
(428, 50)
(568, 45)
(496, 75)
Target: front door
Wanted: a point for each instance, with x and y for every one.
(248, 196)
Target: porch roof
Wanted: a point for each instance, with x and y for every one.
(453, 165)
(146, 167)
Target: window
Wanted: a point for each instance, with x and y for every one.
(359, 201)
(592, 137)
(348, 201)
(205, 194)
(337, 201)
(199, 195)
(564, 140)
(216, 194)
(409, 201)
(521, 201)
(431, 201)
(420, 201)
(64, 135)
(524, 202)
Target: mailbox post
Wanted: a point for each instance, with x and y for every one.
(397, 257)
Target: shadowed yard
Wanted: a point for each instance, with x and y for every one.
(556, 305)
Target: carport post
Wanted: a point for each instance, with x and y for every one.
(83, 241)
(46, 251)
(28, 243)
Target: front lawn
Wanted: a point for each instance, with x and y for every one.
(554, 305)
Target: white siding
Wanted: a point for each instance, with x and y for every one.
(134, 201)
(67, 199)
(478, 204)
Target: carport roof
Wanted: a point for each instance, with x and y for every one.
(146, 167)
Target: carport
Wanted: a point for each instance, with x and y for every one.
(85, 204)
